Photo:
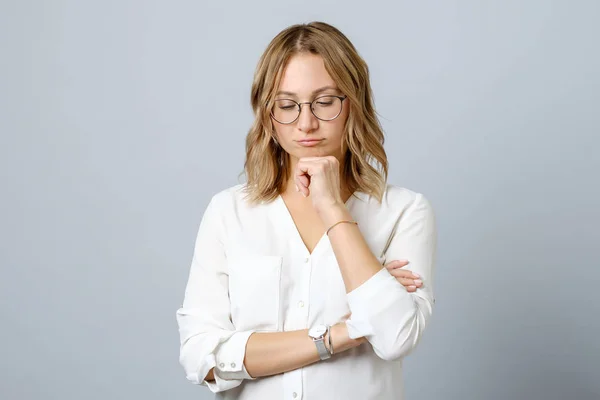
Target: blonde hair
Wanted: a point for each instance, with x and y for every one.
(267, 164)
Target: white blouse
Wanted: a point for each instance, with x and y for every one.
(251, 272)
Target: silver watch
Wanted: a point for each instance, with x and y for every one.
(317, 333)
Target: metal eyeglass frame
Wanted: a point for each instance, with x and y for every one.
(342, 98)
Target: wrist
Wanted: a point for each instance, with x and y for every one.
(319, 335)
(340, 339)
(334, 213)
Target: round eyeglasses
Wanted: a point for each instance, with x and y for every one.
(325, 108)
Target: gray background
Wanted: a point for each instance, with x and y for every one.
(119, 120)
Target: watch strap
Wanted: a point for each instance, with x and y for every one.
(324, 354)
(321, 349)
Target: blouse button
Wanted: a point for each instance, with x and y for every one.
(307, 259)
(300, 304)
(222, 365)
(294, 395)
(232, 365)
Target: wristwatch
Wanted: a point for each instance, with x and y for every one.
(317, 333)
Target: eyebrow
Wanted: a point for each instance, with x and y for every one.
(322, 89)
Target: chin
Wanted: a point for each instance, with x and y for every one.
(316, 152)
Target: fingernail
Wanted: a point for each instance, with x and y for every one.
(412, 287)
(303, 194)
(418, 281)
(297, 190)
(416, 275)
(403, 261)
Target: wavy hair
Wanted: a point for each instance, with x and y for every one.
(267, 165)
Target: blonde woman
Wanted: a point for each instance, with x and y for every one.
(297, 287)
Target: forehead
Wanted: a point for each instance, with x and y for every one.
(305, 73)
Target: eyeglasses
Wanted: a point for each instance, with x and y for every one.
(325, 108)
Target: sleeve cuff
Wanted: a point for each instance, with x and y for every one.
(230, 357)
(361, 302)
(358, 329)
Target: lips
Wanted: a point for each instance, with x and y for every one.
(309, 142)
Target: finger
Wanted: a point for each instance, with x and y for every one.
(302, 187)
(305, 167)
(403, 272)
(304, 181)
(406, 282)
(302, 178)
(396, 264)
(332, 159)
(410, 282)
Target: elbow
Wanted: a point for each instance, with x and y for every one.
(400, 343)
(197, 373)
(191, 367)
(197, 358)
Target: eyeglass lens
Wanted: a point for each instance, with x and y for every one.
(325, 108)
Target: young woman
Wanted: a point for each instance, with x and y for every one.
(296, 287)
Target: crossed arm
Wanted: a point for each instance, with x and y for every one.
(273, 353)
(393, 329)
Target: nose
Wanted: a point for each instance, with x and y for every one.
(307, 122)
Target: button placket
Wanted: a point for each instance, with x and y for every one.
(299, 319)
(303, 290)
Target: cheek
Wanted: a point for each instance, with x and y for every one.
(343, 118)
(284, 132)
(337, 129)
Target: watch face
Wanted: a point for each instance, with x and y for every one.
(317, 331)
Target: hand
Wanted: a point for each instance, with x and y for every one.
(319, 177)
(408, 279)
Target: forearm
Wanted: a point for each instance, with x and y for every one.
(271, 353)
(277, 352)
(383, 311)
(356, 261)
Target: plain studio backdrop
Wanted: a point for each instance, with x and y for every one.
(120, 119)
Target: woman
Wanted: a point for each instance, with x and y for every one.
(287, 297)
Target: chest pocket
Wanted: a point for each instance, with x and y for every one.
(254, 292)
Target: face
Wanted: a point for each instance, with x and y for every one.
(304, 80)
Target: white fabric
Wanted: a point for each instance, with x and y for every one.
(251, 272)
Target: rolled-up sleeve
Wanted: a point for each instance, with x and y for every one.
(383, 311)
(207, 336)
